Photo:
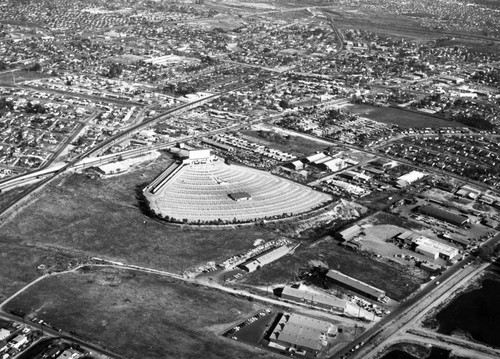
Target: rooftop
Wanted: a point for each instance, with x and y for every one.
(356, 284)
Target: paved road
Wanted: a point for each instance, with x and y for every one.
(449, 342)
(430, 294)
(401, 310)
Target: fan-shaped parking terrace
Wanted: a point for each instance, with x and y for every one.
(201, 192)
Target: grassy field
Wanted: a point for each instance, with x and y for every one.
(299, 146)
(140, 315)
(389, 277)
(18, 265)
(398, 117)
(387, 218)
(22, 75)
(101, 217)
(7, 196)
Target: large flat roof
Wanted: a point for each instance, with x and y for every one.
(303, 331)
(301, 336)
(319, 298)
(356, 284)
(265, 258)
(443, 215)
(435, 246)
(351, 231)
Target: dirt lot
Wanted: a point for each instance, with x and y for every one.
(296, 145)
(102, 218)
(139, 315)
(398, 117)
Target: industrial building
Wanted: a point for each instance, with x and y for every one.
(196, 154)
(297, 165)
(407, 237)
(434, 249)
(326, 162)
(464, 242)
(218, 145)
(314, 298)
(349, 233)
(262, 259)
(316, 157)
(302, 334)
(356, 285)
(443, 215)
(409, 178)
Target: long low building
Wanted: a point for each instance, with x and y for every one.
(262, 259)
(443, 215)
(356, 285)
(313, 298)
(301, 333)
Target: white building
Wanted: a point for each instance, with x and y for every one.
(434, 249)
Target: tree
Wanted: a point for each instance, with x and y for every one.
(317, 265)
(115, 70)
(36, 67)
(486, 253)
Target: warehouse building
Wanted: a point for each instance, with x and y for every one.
(434, 249)
(356, 285)
(464, 242)
(333, 164)
(262, 259)
(218, 145)
(406, 237)
(297, 165)
(316, 299)
(349, 233)
(302, 334)
(443, 215)
(409, 178)
(316, 157)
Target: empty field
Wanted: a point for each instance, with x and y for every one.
(139, 315)
(399, 117)
(7, 196)
(201, 192)
(22, 75)
(18, 266)
(297, 145)
(102, 218)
